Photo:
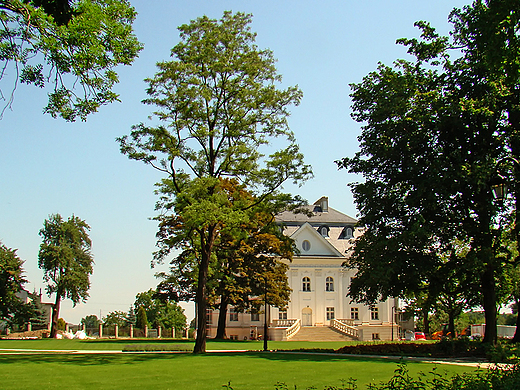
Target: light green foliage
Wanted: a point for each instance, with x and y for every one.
(160, 312)
(66, 260)
(218, 110)
(115, 318)
(74, 52)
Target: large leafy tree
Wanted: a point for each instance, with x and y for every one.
(160, 312)
(434, 129)
(66, 261)
(11, 283)
(218, 108)
(72, 47)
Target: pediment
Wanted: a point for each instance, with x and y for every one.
(310, 243)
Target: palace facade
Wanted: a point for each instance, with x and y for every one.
(319, 284)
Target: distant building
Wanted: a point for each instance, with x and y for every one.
(45, 307)
(319, 286)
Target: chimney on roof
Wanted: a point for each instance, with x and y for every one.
(323, 203)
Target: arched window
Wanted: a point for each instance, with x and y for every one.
(306, 284)
(324, 231)
(349, 233)
(329, 284)
(306, 245)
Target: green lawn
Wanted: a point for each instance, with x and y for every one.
(251, 370)
(120, 344)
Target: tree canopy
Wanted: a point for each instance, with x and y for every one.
(433, 131)
(70, 47)
(66, 261)
(217, 110)
(159, 312)
(11, 283)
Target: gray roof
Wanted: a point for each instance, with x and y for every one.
(330, 217)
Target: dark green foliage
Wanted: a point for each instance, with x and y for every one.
(433, 131)
(141, 321)
(219, 107)
(66, 260)
(71, 46)
(62, 324)
(90, 322)
(11, 283)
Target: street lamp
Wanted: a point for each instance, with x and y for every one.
(265, 314)
(498, 183)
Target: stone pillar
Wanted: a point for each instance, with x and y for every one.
(29, 326)
(116, 331)
(131, 331)
(159, 332)
(146, 331)
(100, 330)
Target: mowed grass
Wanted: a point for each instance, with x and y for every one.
(249, 370)
(120, 344)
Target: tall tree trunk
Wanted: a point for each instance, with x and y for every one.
(489, 304)
(221, 328)
(201, 297)
(55, 316)
(516, 337)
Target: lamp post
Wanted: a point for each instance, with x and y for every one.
(265, 314)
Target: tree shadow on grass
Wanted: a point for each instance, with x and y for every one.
(93, 359)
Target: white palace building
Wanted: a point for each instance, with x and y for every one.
(319, 307)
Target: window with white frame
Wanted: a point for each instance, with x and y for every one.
(282, 314)
(374, 313)
(233, 314)
(306, 245)
(306, 284)
(330, 313)
(329, 283)
(255, 317)
(354, 313)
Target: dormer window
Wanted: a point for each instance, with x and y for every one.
(347, 233)
(324, 231)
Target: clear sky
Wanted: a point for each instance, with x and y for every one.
(51, 166)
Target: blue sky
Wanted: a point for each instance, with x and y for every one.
(51, 166)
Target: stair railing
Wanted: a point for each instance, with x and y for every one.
(344, 327)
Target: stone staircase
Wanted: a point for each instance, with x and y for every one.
(319, 333)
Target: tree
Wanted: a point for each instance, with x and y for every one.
(433, 132)
(90, 322)
(160, 312)
(66, 45)
(115, 318)
(141, 321)
(11, 283)
(218, 109)
(66, 261)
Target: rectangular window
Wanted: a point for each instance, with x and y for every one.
(233, 337)
(354, 313)
(282, 314)
(375, 336)
(209, 316)
(233, 314)
(330, 313)
(255, 317)
(374, 313)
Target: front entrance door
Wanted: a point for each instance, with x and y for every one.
(307, 316)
